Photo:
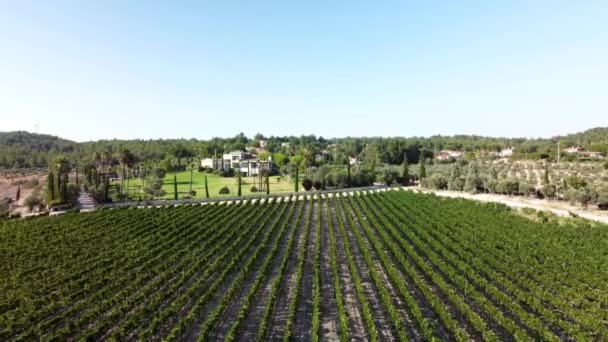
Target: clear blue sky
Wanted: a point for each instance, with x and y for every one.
(146, 69)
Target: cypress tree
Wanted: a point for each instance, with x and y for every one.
(18, 193)
(64, 189)
(206, 188)
(174, 186)
(106, 187)
(406, 172)
(454, 181)
(267, 183)
(88, 173)
(422, 168)
(472, 182)
(348, 180)
(57, 190)
(546, 179)
(97, 178)
(50, 184)
(191, 171)
(238, 179)
(297, 184)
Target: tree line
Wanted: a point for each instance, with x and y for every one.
(29, 150)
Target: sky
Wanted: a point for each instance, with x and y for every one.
(87, 70)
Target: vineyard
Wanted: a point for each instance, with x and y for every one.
(392, 265)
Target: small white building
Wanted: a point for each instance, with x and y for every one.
(574, 149)
(582, 153)
(443, 156)
(210, 163)
(506, 152)
(448, 154)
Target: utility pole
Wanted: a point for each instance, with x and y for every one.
(558, 153)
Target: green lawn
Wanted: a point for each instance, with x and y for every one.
(215, 184)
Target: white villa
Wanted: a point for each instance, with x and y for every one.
(248, 164)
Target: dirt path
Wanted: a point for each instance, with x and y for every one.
(303, 320)
(383, 323)
(356, 326)
(410, 324)
(256, 312)
(329, 311)
(559, 208)
(281, 310)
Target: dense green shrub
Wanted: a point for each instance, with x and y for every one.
(307, 184)
(318, 185)
(436, 181)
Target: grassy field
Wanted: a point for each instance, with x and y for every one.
(277, 185)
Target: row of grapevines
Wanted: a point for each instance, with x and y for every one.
(201, 300)
(518, 288)
(275, 289)
(316, 279)
(192, 299)
(366, 310)
(238, 282)
(397, 253)
(74, 290)
(340, 303)
(302, 252)
(245, 306)
(142, 284)
(197, 260)
(87, 302)
(385, 296)
(459, 282)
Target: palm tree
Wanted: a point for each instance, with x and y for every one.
(106, 163)
(97, 163)
(309, 156)
(126, 159)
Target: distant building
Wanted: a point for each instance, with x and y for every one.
(492, 154)
(445, 155)
(593, 155)
(574, 150)
(582, 153)
(210, 163)
(248, 164)
(506, 152)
